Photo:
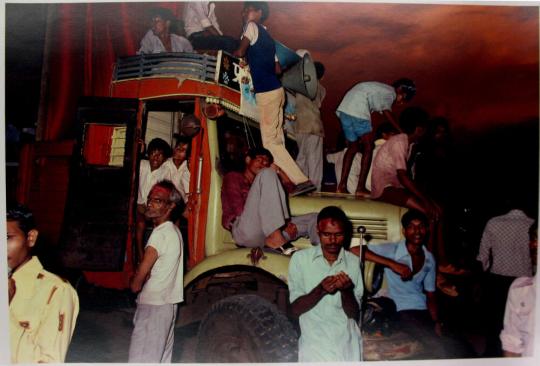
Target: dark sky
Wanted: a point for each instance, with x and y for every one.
(476, 65)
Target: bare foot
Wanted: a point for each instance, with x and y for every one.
(341, 189)
(275, 240)
(363, 193)
(291, 230)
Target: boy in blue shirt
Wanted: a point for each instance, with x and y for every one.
(260, 49)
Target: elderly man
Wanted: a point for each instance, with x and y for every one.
(255, 207)
(325, 286)
(158, 280)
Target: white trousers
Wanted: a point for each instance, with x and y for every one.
(153, 335)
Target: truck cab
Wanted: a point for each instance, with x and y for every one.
(233, 296)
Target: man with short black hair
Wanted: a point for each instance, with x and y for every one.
(414, 295)
(163, 37)
(325, 287)
(259, 47)
(504, 254)
(255, 206)
(43, 308)
(390, 182)
(151, 171)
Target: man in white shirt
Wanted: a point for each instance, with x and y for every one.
(178, 166)
(504, 254)
(151, 171)
(158, 280)
(384, 132)
(202, 27)
(354, 113)
(517, 336)
(161, 37)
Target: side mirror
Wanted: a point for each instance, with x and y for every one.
(190, 125)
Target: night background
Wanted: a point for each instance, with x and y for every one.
(475, 65)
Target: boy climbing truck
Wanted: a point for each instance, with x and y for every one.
(236, 294)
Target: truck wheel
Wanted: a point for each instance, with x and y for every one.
(246, 328)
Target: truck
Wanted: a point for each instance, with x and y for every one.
(83, 193)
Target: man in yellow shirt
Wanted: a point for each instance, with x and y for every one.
(43, 308)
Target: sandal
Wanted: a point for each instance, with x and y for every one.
(286, 249)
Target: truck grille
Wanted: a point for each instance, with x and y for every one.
(376, 228)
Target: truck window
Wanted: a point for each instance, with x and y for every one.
(162, 125)
(163, 119)
(104, 144)
(235, 138)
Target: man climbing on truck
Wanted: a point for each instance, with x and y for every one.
(260, 49)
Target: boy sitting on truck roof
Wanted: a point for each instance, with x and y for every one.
(255, 207)
(260, 48)
(151, 171)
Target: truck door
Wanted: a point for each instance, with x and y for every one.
(98, 215)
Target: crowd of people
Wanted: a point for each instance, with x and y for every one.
(325, 281)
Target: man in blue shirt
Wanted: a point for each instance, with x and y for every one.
(325, 287)
(414, 295)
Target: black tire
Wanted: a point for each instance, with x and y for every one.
(246, 328)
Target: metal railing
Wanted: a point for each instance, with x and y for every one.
(187, 65)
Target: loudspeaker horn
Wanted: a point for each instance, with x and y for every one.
(301, 77)
(286, 57)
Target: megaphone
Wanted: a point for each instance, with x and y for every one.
(286, 57)
(302, 77)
